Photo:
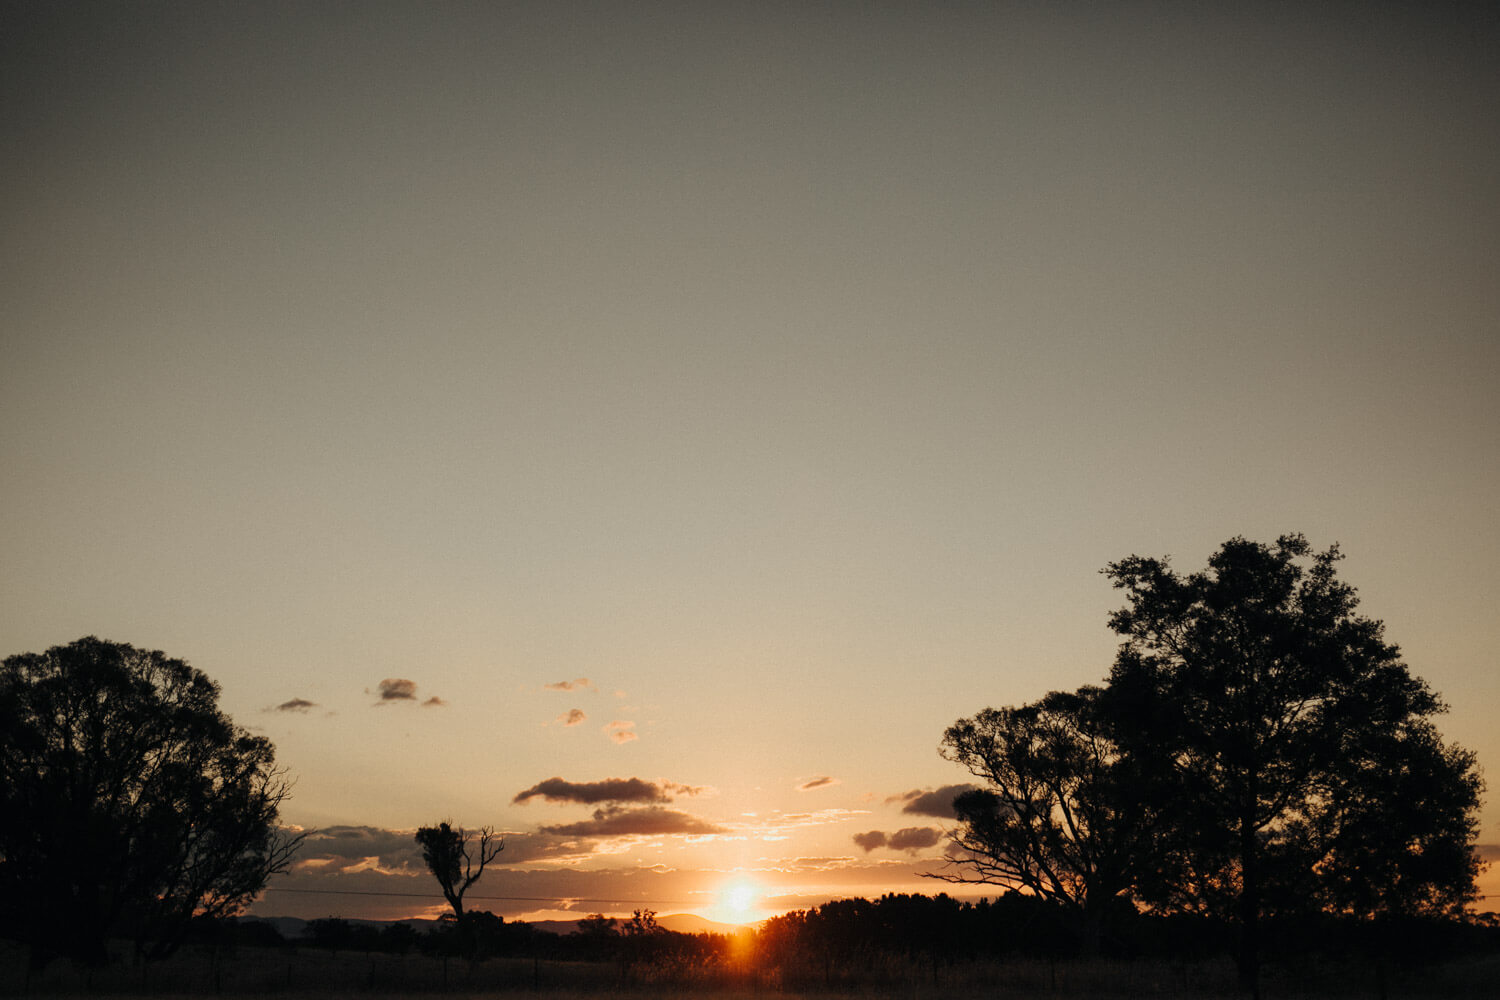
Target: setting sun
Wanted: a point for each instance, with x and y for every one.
(740, 898)
(738, 902)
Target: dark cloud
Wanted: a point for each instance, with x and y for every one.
(821, 781)
(613, 790)
(397, 689)
(915, 838)
(348, 849)
(295, 705)
(572, 717)
(911, 839)
(576, 684)
(937, 803)
(617, 821)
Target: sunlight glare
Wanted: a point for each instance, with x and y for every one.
(740, 898)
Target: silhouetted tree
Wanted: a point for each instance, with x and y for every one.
(1282, 727)
(446, 850)
(1060, 818)
(596, 927)
(128, 802)
(642, 923)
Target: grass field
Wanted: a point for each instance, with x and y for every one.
(296, 973)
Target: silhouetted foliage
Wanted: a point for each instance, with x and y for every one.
(1060, 818)
(335, 934)
(446, 850)
(1285, 745)
(129, 804)
(1260, 752)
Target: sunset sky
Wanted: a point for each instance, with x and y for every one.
(644, 427)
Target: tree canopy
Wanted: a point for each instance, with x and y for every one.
(1058, 819)
(1280, 752)
(128, 802)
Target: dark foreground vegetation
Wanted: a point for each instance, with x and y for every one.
(1015, 945)
(1259, 782)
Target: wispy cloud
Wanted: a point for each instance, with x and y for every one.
(576, 684)
(572, 717)
(434, 702)
(937, 803)
(821, 781)
(621, 732)
(612, 790)
(300, 705)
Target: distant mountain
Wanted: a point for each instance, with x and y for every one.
(293, 928)
(691, 923)
(682, 923)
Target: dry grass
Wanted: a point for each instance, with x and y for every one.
(308, 974)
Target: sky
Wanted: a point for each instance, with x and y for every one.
(644, 428)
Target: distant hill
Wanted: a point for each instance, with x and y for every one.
(682, 923)
(292, 928)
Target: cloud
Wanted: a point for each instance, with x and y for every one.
(937, 803)
(821, 781)
(360, 848)
(618, 821)
(295, 705)
(911, 839)
(434, 702)
(397, 689)
(348, 849)
(576, 684)
(621, 732)
(572, 717)
(612, 790)
(915, 838)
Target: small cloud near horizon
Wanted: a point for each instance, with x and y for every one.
(619, 821)
(910, 839)
(434, 702)
(397, 689)
(937, 803)
(299, 705)
(611, 790)
(576, 684)
(821, 781)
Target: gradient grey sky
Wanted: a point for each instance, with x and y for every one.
(787, 370)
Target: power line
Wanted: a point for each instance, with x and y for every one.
(519, 899)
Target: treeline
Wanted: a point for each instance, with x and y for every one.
(830, 941)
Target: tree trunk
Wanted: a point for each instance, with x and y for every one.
(1249, 956)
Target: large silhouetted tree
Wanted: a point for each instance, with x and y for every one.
(446, 850)
(128, 802)
(1291, 742)
(1058, 818)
